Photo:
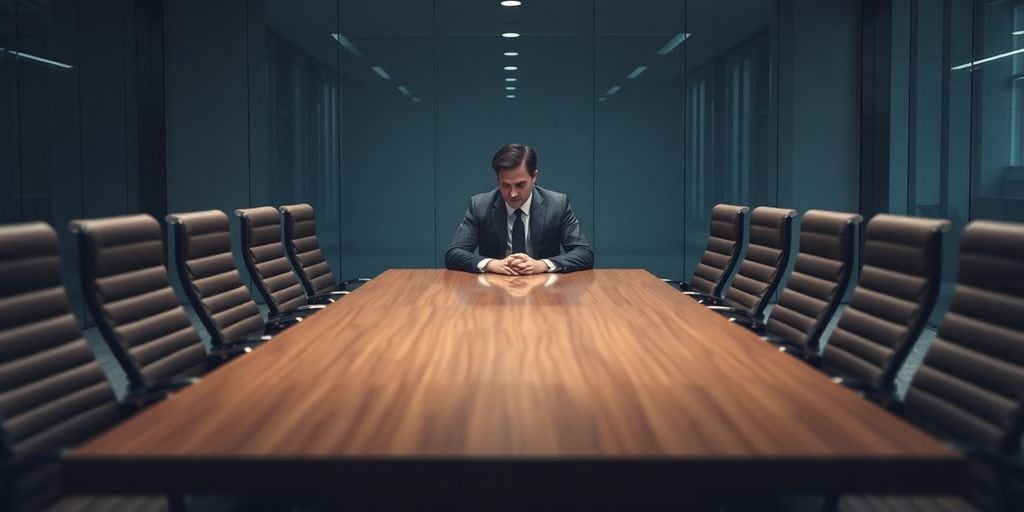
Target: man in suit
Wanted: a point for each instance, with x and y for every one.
(518, 227)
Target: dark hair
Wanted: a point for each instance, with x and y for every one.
(511, 156)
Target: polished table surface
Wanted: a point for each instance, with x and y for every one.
(433, 381)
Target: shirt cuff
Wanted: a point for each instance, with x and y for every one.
(483, 264)
(551, 266)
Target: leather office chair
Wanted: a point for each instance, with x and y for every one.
(124, 282)
(206, 272)
(825, 264)
(268, 266)
(303, 249)
(763, 267)
(53, 394)
(898, 287)
(726, 240)
(969, 389)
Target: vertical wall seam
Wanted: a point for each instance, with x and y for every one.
(17, 122)
(433, 19)
(248, 103)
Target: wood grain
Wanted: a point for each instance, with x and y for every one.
(605, 377)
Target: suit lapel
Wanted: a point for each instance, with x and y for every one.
(537, 211)
(500, 220)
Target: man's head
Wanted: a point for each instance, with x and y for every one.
(516, 167)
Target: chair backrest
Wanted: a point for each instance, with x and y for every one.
(824, 268)
(970, 386)
(206, 271)
(53, 394)
(726, 240)
(124, 282)
(764, 264)
(303, 249)
(265, 259)
(898, 286)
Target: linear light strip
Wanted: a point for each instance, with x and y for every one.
(40, 60)
(349, 45)
(987, 59)
(672, 43)
(637, 72)
(613, 90)
(381, 73)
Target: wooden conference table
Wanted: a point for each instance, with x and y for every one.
(438, 383)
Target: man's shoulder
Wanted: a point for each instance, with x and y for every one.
(552, 195)
(483, 200)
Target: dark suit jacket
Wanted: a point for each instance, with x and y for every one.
(553, 225)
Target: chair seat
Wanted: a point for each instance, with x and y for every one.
(911, 503)
(110, 504)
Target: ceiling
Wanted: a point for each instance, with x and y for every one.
(413, 39)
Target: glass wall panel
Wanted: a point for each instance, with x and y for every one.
(957, 110)
(638, 134)
(300, 160)
(728, 125)
(10, 170)
(997, 177)
(387, 133)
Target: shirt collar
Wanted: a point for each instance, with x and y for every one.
(509, 211)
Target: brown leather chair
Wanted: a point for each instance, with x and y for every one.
(125, 286)
(726, 239)
(303, 249)
(898, 287)
(763, 267)
(825, 264)
(268, 265)
(53, 394)
(969, 389)
(205, 270)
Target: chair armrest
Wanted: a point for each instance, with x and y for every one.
(870, 391)
(812, 358)
(348, 282)
(677, 284)
(278, 324)
(731, 311)
(222, 354)
(700, 296)
(302, 311)
(250, 341)
(755, 326)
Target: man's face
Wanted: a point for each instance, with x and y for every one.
(516, 185)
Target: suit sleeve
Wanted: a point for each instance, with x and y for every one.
(461, 255)
(578, 254)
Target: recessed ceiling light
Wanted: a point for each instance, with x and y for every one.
(417, 100)
(510, 35)
(613, 90)
(510, 88)
(511, 3)
(511, 54)
(510, 95)
(510, 79)
(404, 90)
(510, 68)
(602, 98)
(381, 73)
(1018, 33)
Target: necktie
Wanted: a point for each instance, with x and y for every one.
(518, 233)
